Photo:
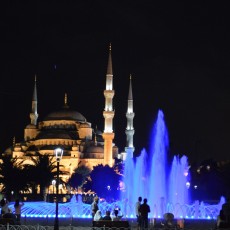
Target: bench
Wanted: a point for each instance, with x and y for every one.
(5, 221)
(121, 224)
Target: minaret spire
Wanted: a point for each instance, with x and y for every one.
(130, 115)
(34, 114)
(108, 113)
(109, 67)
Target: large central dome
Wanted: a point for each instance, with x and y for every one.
(65, 114)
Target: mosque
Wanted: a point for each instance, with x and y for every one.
(69, 130)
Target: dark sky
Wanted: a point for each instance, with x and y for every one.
(178, 54)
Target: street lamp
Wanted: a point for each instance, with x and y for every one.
(58, 152)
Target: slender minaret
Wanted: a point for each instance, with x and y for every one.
(108, 114)
(129, 149)
(34, 114)
(31, 130)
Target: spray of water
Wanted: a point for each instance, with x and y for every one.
(149, 175)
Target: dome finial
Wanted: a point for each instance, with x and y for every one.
(95, 140)
(66, 101)
(110, 46)
(130, 77)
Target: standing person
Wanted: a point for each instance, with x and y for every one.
(4, 206)
(144, 211)
(226, 210)
(17, 207)
(97, 216)
(94, 206)
(138, 214)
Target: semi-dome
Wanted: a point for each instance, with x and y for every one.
(31, 126)
(65, 114)
(57, 134)
(95, 149)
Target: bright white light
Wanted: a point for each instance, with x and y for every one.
(58, 152)
(186, 173)
(187, 184)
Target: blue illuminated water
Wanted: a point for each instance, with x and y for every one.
(74, 209)
(150, 176)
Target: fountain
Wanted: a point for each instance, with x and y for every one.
(149, 175)
(166, 187)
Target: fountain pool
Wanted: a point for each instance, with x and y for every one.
(73, 209)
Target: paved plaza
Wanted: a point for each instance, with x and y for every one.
(81, 223)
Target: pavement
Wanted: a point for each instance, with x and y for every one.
(81, 223)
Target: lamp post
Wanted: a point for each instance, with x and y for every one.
(58, 154)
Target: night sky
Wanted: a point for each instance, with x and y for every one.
(178, 54)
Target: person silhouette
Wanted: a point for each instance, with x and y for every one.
(94, 206)
(17, 207)
(107, 216)
(137, 210)
(97, 216)
(144, 211)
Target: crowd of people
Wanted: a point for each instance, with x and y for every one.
(142, 211)
(6, 212)
(97, 215)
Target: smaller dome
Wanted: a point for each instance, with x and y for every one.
(56, 134)
(95, 149)
(75, 148)
(8, 151)
(17, 148)
(31, 126)
(84, 125)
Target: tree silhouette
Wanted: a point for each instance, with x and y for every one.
(42, 171)
(12, 176)
(105, 182)
(78, 178)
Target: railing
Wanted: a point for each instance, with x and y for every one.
(39, 227)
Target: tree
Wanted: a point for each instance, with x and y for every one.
(12, 176)
(212, 180)
(42, 172)
(105, 182)
(78, 178)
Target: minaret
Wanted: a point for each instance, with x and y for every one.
(34, 114)
(108, 114)
(31, 130)
(129, 149)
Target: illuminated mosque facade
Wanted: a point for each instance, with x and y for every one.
(71, 131)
